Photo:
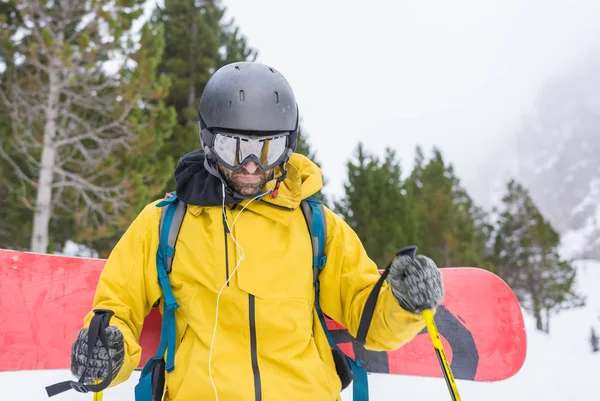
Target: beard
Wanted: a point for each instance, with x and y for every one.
(232, 178)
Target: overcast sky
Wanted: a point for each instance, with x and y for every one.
(459, 74)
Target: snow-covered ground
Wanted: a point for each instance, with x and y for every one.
(559, 366)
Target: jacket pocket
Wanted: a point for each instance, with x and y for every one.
(277, 279)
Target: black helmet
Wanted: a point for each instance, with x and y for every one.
(247, 98)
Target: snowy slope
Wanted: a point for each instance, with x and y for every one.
(584, 240)
(557, 151)
(559, 366)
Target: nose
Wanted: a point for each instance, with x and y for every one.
(250, 167)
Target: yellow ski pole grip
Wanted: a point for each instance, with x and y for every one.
(98, 395)
(411, 251)
(439, 350)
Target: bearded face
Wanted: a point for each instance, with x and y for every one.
(247, 181)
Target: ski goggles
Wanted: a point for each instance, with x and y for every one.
(233, 150)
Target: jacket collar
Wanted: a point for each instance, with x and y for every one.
(200, 189)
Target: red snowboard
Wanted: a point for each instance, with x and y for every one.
(43, 299)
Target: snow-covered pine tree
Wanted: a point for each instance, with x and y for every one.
(526, 256)
(594, 341)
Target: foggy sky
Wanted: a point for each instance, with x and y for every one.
(459, 75)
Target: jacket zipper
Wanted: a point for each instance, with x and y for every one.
(276, 205)
(252, 320)
(253, 351)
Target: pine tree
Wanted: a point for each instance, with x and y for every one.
(198, 42)
(448, 226)
(375, 204)
(142, 167)
(72, 111)
(594, 341)
(526, 256)
(14, 217)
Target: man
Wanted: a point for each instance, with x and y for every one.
(247, 327)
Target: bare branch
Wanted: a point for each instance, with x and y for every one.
(85, 101)
(33, 8)
(82, 28)
(15, 166)
(86, 189)
(77, 181)
(57, 196)
(38, 66)
(92, 87)
(93, 133)
(29, 205)
(4, 98)
(22, 191)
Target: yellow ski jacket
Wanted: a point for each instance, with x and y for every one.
(269, 344)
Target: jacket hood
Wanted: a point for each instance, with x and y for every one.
(196, 186)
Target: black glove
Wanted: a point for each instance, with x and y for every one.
(99, 363)
(416, 281)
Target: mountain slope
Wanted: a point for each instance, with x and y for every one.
(557, 152)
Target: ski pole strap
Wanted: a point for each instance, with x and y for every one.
(369, 309)
(97, 329)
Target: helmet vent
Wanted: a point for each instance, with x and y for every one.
(272, 70)
(277, 97)
(241, 96)
(237, 67)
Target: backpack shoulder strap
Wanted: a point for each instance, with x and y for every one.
(314, 214)
(347, 368)
(172, 212)
(151, 382)
(173, 224)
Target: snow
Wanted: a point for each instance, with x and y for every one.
(581, 241)
(72, 248)
(559, 366)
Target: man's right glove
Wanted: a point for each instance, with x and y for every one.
(98, 369)
(416, 281)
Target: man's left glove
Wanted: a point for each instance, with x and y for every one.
(416, 281)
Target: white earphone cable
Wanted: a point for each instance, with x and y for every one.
(237, 265)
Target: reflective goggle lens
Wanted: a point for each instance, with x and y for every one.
(233, 150)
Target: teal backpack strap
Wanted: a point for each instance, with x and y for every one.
(151, 384)
(347, 368)
(174, 220)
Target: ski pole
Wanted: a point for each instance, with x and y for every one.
(411, 251)
(98, 395)
(439, 350)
